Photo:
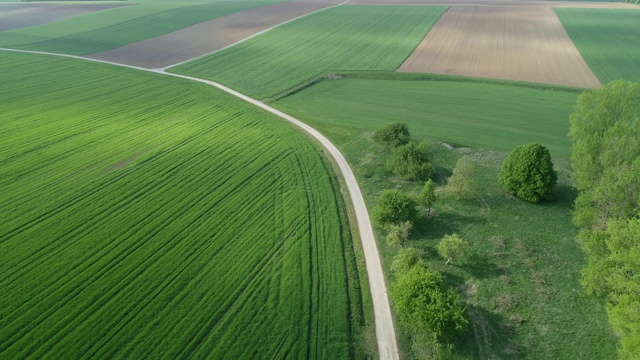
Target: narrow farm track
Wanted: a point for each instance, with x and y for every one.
(385, 331)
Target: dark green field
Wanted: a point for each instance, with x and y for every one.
(608, 39)
(150, 217)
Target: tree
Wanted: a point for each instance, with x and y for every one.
(528, 173)
(413, 162)
(393, 207)
(427, 305)
(406, 259)
(399, 233)
(453, 247)
(619, 271)
(461, 181)
(393, 135)
(428, 195)
(606, 154)
(606, 161)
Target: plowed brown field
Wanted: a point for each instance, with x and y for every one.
(511, 43)
(15, 16)
(208, 36)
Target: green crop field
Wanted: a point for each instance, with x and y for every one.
(608, 39)
(110, 29)
(470, 114)
(150, 217)
(342, 38)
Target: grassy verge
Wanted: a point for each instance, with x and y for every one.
(608, 39)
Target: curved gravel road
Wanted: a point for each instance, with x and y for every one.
(385, 331)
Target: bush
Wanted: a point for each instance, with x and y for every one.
(393, 135)
(413, 162)
(461, 181)
(426, 305)
(453, 247)
(399, 234)
(393, 207)
(406, 259)
(528, 173)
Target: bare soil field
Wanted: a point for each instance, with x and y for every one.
(510, 43)
(608, 5)
(20, 15)
(208, 36)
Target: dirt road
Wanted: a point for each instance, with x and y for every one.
(385, 331)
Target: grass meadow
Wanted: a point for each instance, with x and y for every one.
(113, 28)
(472, 114)
(342, 38)
(150, 217)
(608, 39)
(522, 287)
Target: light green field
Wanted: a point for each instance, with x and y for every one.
(149, 217)
(608, 39)
(469, 114)
(342, 38)
(112, 28)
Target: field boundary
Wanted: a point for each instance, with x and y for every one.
(385, 330)
(250, 37)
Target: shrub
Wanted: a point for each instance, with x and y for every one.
(406, 259)
(393, 207)
(461, 181)
(413, 162)
(399, 233)
(453, 247)
(427, 305)
(393, 135)
(528, 173)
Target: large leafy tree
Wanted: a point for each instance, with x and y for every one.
(413, 161)
(605, 132)
(528, 173)
(393, 135)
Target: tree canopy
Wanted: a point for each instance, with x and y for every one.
(427, 305)
(394, 207)
(413, 161)
(605, 133)
(393, 135)
(528, 173)
(461, 182)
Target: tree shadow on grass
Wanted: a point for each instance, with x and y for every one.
(563, 197)
(441, 224)
(489, 335)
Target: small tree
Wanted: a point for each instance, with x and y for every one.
(453, 247)
(406, 259)
(399, 233)
(393, 207)
(427, 305)
(461, 181)
(528, 173)
(393, 135)
(413, 162)
(428, 195)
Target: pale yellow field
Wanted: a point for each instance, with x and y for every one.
(208, 36)
(524, 43)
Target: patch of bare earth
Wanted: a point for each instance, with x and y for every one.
(510, 43)
(609, 5)
(208, 36)
(20, 15)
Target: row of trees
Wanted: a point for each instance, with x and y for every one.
(605, 136)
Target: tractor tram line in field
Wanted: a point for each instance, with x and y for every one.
(385, 331)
